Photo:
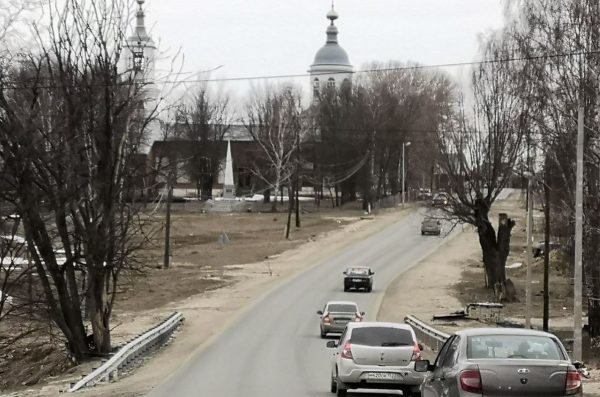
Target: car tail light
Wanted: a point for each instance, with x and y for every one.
(573, 385)
(470, 380)
(347, 351)
(416, 353)
(326, 319)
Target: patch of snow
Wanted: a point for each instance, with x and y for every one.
(515, 265)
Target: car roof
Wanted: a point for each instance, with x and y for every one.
(358, 267)
(367, 324)
(502, 331)
(341, 303)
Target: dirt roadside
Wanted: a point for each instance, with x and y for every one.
(453, 276)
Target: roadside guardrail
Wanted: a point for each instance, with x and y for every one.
(426, 333)
(131, 353)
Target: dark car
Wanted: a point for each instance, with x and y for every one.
(424, 194)
(440, 200)
(431, 226)
(501, 362)
(358, 277)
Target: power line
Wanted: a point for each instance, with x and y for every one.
(15, 85)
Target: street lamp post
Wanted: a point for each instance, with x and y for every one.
(404, 145)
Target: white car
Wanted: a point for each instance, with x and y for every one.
(376, 355)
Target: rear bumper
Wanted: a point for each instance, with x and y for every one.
(355, 375)
(350, 283)
(335, 327)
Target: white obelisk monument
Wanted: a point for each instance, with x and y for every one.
(228, 186)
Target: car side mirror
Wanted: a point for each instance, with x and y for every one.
(371, 272)
(362, 313)
(577, 364)
(331, 344)
(421, 347)
(344, 272)
(320, 312)
(423, 366)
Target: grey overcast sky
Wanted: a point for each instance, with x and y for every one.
(274, 37)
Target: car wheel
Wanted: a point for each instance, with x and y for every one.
(422, 233)
(341, 392)
(333, 388)
(345, 288)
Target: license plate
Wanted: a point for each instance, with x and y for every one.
(383, 376)
(357, 280)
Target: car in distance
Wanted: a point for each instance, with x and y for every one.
(431, 226)
(440, 199)
(424, 194)
(336, 314)
(358, 277)
(501, 362)
(376, 355)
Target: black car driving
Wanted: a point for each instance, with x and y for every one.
(358, 277)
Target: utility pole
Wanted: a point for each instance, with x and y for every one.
(578, 281)
(546, 249)
(167, 257)
(404, 144)
(528, 255)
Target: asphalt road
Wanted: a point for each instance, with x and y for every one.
(274, 348)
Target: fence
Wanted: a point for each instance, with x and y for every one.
(427, 334)
(131, 353)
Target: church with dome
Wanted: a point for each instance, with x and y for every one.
(331, 66)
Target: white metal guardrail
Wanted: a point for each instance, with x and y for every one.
(426, 333)
(131, 353)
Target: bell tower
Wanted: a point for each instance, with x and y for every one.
(138, 60)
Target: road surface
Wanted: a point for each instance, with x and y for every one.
(274, 348)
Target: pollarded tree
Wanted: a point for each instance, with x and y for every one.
(479, 148)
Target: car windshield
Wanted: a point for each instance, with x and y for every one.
(342, 308)
(430, 221)
(358, 271)
(382, 336)
(513, 346)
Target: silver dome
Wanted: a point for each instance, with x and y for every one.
(331, 54)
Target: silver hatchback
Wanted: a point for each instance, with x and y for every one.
(374, 355)
(503, 362)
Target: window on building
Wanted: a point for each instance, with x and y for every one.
(331, 82)
(138, 60)
(316, 87)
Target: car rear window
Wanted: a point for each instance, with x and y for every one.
(513, 346)
(381, 336)
(342, 308)
(358, 272)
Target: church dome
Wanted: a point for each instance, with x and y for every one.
(331, 55)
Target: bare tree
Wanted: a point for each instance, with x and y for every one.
(204, 121)
(479, 148)
(562, 39)
(274, 122)
(70, 125)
